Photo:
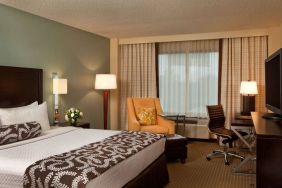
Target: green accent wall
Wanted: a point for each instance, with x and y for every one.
(31, 41)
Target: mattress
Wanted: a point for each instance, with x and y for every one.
(16, 157)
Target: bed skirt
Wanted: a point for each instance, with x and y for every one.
(155, 175)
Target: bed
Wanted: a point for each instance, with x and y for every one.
(22, 86)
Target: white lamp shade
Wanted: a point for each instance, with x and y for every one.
(105, 81)
(249, 88)
(60, 86)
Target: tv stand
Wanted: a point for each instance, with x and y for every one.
(269, 151)
(272, 116)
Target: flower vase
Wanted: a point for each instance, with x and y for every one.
(73, 122)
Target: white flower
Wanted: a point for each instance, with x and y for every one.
(72, 114)
(66, 118)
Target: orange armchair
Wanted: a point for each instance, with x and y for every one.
(163, 125)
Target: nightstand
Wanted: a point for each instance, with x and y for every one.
(79, 124)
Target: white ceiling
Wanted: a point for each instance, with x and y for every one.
(136, 18)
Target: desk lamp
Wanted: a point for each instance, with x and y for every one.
(248, 90)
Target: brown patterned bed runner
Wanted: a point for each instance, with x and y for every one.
(77, 167)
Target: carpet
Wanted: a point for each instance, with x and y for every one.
(197, 172)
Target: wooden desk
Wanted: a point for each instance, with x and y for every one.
(269, 151)
(241, 122)
(242, 117)
(244, 125)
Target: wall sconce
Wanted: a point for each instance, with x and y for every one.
(60, 86)
(105, 82)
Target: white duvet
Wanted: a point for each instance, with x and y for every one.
(16, 157)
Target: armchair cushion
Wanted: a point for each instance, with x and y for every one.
(146, 116)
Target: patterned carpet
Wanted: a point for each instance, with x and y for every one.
(197, 172)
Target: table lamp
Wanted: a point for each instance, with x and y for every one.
(59, 87)
(105, 82)
(248, 89)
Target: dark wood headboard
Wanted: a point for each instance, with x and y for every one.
(20, 86)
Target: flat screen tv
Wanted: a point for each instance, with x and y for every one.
(273, 85)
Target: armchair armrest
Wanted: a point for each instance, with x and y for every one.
(133, 125)
(167, 123)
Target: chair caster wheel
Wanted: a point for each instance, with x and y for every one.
(208, 158)
(227, 163)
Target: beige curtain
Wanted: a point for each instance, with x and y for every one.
(137, 71)
(242, 59)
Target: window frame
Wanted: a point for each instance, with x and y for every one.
(219, 69)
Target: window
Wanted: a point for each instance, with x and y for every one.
(188, 82)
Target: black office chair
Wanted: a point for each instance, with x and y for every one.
(216, 126)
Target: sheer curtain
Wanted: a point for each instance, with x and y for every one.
(137, 71)
(188, 76)
(242, 59)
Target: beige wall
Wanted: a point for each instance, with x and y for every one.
(114, 93)
(274, 37)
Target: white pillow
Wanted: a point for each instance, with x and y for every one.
(11, 109)
(19, 115)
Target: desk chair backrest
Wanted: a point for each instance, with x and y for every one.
(216, 126)
(216, 115)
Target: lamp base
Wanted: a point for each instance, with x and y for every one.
(248, 105)
(106, 96)
(56, 116)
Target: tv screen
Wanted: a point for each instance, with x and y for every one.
(273, 83)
